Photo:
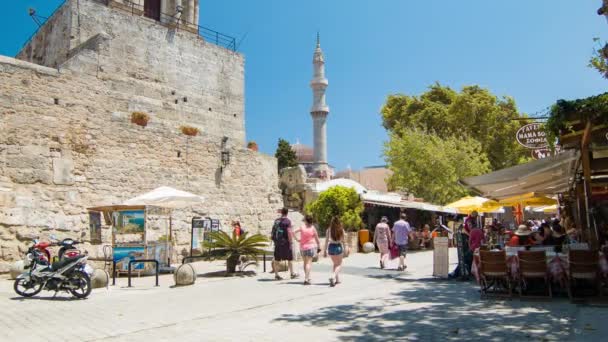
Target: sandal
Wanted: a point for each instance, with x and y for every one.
(277, 277)
(294, 275)
(332, 283)
(306, 282)
(381, 265)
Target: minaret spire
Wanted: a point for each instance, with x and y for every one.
(319, 112)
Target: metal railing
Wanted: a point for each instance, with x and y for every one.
(164, 19)
(178, 23)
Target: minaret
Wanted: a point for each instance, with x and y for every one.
(319, 113)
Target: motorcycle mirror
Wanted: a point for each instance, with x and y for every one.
(53, 237)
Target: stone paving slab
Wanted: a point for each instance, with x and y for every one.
(369, 305)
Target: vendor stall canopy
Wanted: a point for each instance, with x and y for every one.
(469, 204)
(529, 199)
(548, 176)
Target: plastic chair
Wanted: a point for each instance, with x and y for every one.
(583, 265)
(533, 265)
(493, 273)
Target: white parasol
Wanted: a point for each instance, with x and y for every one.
(166, 197)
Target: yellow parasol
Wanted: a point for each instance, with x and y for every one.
(529, 199)
(469, 203)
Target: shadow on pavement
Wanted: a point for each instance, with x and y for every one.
(224, 274)
(59, 299)
(442, 310)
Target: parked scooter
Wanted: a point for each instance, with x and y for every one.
(69, 274)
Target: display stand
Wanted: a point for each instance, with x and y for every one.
(440, 257)
(201, 227)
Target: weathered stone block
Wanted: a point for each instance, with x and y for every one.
(184, 275)
(100, 278)
(62, 171)
(16, 269)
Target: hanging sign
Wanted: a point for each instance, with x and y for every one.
(532, 136)
(541, 153)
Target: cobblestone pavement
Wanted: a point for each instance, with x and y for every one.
(370, 304)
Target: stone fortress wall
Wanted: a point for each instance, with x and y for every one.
(67, 142)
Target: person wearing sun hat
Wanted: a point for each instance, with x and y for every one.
(521, 237)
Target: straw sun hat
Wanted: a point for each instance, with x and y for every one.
(523, 230)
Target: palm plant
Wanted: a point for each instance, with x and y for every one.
(233, 247)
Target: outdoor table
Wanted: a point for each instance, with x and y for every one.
(557, 265)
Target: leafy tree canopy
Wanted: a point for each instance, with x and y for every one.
(474, 112)
(430, 166)
(337, 201)
(286, 156)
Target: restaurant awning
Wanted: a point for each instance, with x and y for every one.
(548, 176)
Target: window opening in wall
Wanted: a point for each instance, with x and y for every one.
(56, 101)
(152, 9)
(179, 154)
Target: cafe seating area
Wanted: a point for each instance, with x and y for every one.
(576, 271)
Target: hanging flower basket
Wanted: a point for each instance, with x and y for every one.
(140, 118)
(189, 130)
(252, 145)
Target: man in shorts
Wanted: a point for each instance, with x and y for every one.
(401, 235)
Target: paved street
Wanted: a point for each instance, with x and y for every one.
(370, 304)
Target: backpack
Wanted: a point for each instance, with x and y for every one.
(276, 230)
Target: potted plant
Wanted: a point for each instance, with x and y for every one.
(252, 145)
(233, 248)
(189, 130)
(140, 118)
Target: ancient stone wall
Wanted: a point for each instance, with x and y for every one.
(51, 44)
(173, 74)
(58, 158)
(67, 142)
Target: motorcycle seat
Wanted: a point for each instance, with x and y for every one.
(63, 262)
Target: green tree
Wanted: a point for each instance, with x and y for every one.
(337, 201)
(599, 58)
(473, 113)
(286, 156)
(430, 166)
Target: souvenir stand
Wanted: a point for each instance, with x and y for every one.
(131, 238)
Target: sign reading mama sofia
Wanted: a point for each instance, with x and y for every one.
(532, 136)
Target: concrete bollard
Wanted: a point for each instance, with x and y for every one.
(184, 275)
(100, 278)
(16, 269)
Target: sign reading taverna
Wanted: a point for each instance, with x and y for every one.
(532, 136)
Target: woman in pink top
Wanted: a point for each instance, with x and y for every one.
(382, 236)
(309, 245)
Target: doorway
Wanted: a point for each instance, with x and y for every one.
(152, 9)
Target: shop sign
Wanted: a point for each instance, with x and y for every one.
(541, 153)
(532, 136)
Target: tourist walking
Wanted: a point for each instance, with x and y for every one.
(401, 236)
(309, 245)
(334, 246)
(382, 238)
(282, 236)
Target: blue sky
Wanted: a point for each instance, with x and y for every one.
(535, 51)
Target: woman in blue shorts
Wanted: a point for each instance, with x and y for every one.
(334, 246)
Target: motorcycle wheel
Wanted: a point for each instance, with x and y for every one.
(84, 285)
(26, 288)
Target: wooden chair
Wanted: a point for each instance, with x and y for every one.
(583, 265)
(494, 274)
(533, 265)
